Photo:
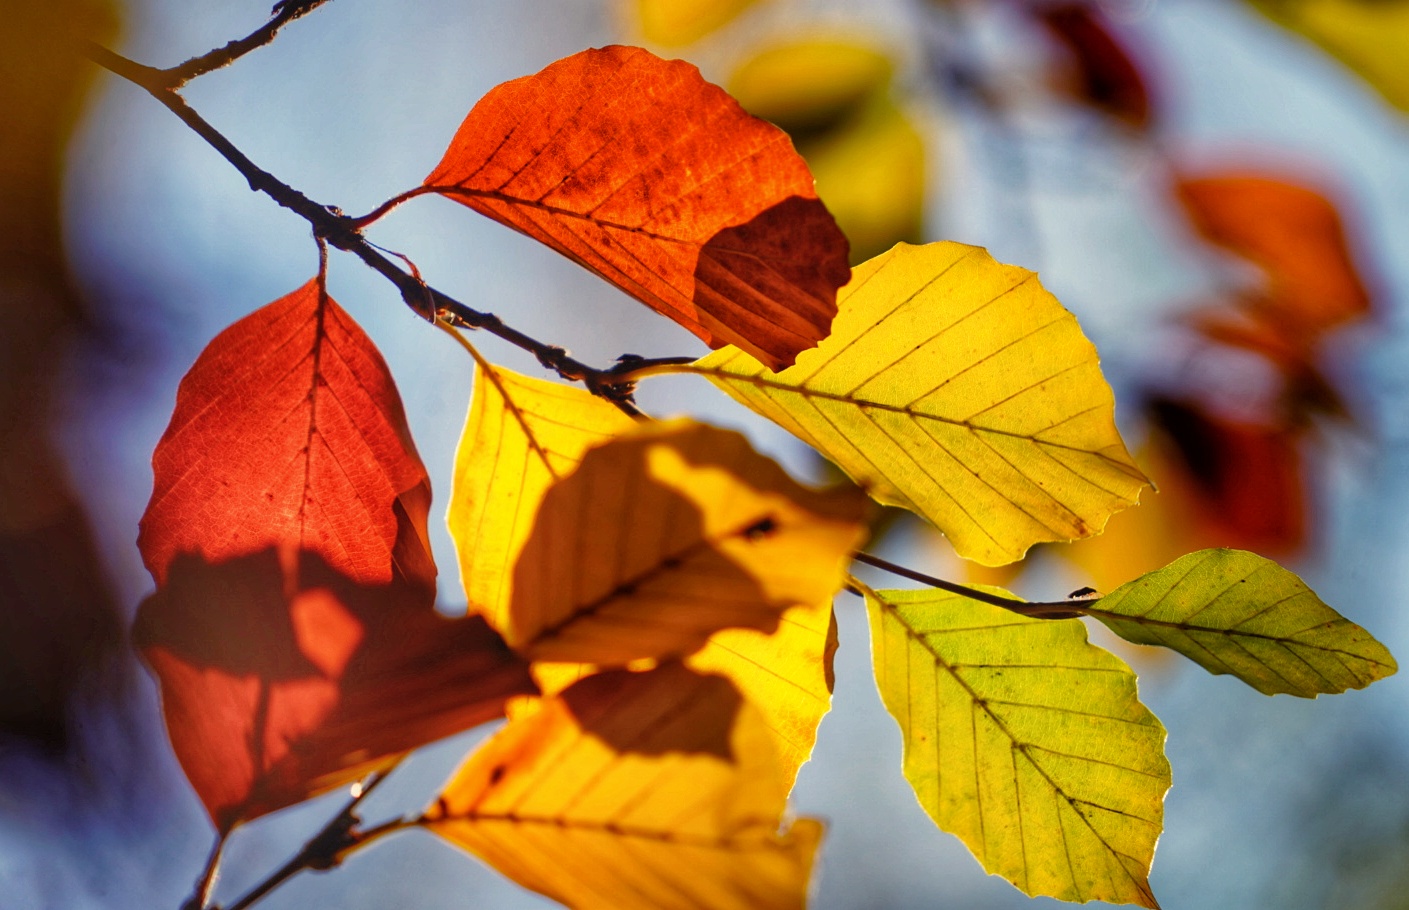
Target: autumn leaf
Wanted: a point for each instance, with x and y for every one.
(1369, 36)
(635, 790)
(524, 434)
(1025, 741)
(293, 629)
(665, 535)
(521, 436)
(658, 181)
(1238, 613)
(958, 388)
(1106, 75)
(1293, 234)
(675, 22)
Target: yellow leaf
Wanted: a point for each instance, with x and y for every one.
(1025, 741)
(635, 790)
(667, 534)
(1369, 36)
(787, 675)
(521, 435)
(955, 386)
(676, 22)
(806, 86)
(1236, 612)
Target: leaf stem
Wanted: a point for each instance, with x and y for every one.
(1061, 609)
(200, 897)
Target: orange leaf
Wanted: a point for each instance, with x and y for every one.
(1294, 234)
(293, 629)
(658, 181)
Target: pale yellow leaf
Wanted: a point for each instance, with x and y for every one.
(635, 790)
(959, 388)
(1025, 741)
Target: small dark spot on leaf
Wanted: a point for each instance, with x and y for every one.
(761, 528)
(497, 774)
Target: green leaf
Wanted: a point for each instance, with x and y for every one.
(955, 386)
(1236, 612)
(1025, 741)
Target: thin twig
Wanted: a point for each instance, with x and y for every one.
(200, 897)
(284, 12)
(325, 849)
(615, 383)
(1061, 609)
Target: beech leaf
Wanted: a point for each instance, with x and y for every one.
(639, 170)
(523, 434)
(635, 790)
(1025, 741)
(665, 535)
(293, 630)
(956, 387)
(1369, 36)
(1235, 612)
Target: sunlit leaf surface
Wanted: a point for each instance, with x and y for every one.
(665, 535)
(675, 22)
(635, 790)
(658, 181)
(1236, 612)
(1026, 742)
(293, 629)
(957, 387)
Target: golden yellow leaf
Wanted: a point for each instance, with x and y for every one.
(635, 790)
(811, 85)
(1025, 741)
(521, 435)
(667, 534)
(1369, 36)
(676, 22)
(955, 386)
(787, 675)
(1236, 612)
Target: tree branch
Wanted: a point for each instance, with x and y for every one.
(614, 383)
(284, 12)
(1061, 609)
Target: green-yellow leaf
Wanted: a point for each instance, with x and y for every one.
(667, 534)
(1238, 613)
(522, 434)
(1369, 36)
(635, 790)
(955, 386)
(1025, 741)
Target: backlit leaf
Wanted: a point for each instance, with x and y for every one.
(957, 387)
(1026, 742)
(1369, 36)
(1293, 233)
(293, 629)
(658, 181)
(635, 790)
(524, 433)
(665, 535)
(1235, 612)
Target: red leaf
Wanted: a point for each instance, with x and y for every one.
(1294, 234)
(293, 629)
(1108, 76)
(658, 181)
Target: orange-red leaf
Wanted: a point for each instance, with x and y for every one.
(1294, 234)
(658, 181)
(293, 630)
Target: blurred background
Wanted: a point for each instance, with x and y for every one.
(1218, 189)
